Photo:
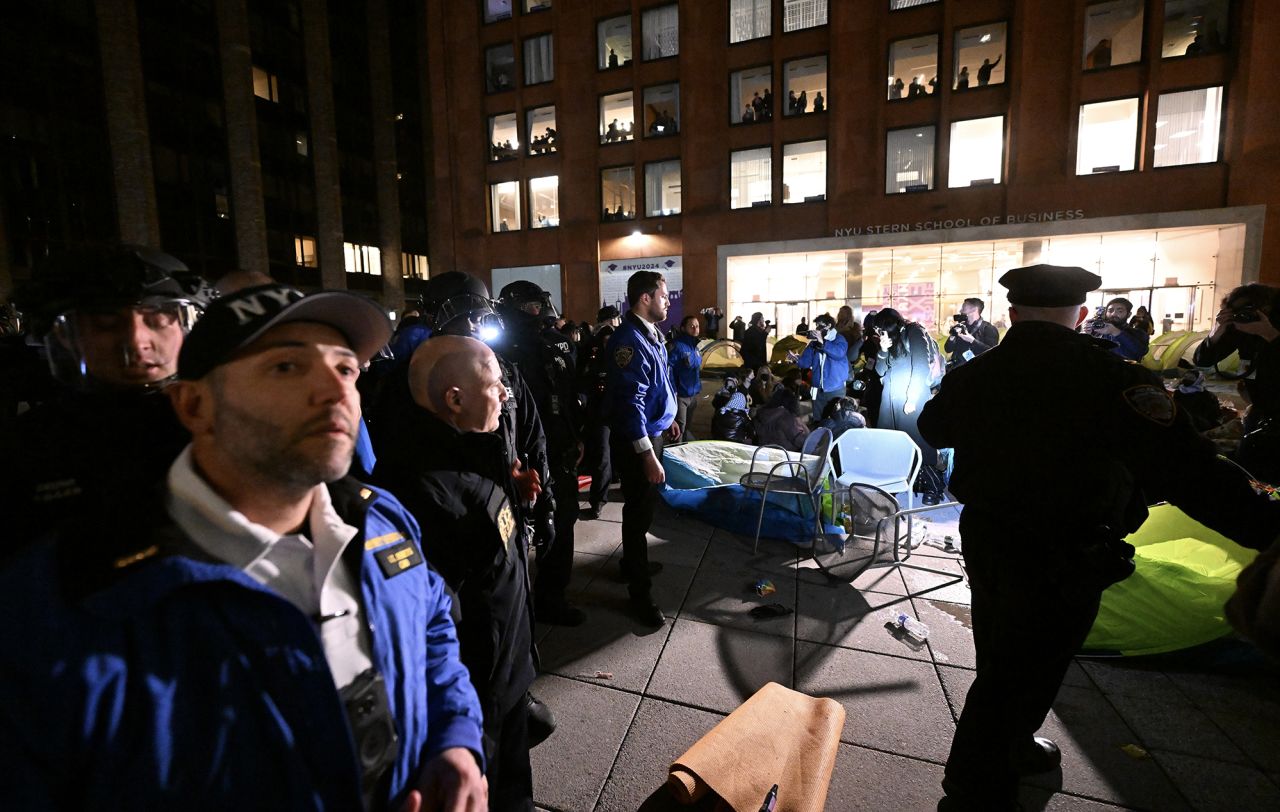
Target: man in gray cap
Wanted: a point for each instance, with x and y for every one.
(1043, 534)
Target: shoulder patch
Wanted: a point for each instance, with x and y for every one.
(623, 355)
(1151, 403)
(507, 527)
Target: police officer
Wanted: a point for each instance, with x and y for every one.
(545, 360)
(641, 407)
(1042, 538)
(450, 469)
(112, 322)
(970, 336)
(593, 362)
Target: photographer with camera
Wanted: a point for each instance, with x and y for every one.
(1247, 323)
(1112, 323)
(755, 350)
(970, 335)
(828, 357)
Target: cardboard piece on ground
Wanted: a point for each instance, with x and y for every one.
(778, 736)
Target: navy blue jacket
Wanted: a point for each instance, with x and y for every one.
(139, 673)
(686, 366)
(832, 356)
(639, 398)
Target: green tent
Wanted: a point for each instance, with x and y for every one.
(1185, 572)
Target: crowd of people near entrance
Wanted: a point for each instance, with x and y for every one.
(266, 551)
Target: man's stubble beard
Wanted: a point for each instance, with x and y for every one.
(262, 448)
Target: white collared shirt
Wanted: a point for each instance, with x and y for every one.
(308, 574)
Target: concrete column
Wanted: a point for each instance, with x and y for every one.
(324, 145)
(243, 158)
(384, 154)
(127, 129)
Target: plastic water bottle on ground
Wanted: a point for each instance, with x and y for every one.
(913, 628)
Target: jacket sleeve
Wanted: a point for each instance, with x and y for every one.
(629, 370)
(1208, 354)
(453, 710)
(986, 339)
(1133, 342)
(837, 347)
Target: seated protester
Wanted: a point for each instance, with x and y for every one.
(732, 421)
(762, 390)
(262, 633)
(738, 381)
(450, 469)
(779, 422)
(1202, 407)
(840, 415)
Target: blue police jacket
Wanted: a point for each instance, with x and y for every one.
(686, 366)
(829, 362)
(639, 398)
(162, 679)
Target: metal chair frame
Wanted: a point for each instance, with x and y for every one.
(815, 486)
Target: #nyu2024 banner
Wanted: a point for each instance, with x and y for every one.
(614, 274)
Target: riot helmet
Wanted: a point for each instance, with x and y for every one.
(457, 303)
(114, 318)
(525, 297)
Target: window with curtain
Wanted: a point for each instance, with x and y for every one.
(504, 206)
(495, 10)
(540, 124)
(751, 178)
(1112, 33)
(1194, 27)
(798, 14)
(544, 202)
(660, 28)
(366, 259)
(618, 193)
(1108, 138)
(749, 19)
(500, 68)
(751, 95)
(613, 42)
(908, 160)
(1187, 127)
(413, 266)
(539, 60)
(662, 188)
(804, 172)
(977, 152)
(895, 5)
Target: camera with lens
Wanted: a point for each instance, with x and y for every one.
(1246, 315)
(961, 324)
(1099, 319)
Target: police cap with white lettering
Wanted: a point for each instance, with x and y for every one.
(1049, 285)
(237, 320)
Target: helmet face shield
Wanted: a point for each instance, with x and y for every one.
(128, 345)
(468, 314)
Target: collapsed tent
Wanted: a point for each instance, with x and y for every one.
(1184, 574)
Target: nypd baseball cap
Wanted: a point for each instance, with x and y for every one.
(237, 320)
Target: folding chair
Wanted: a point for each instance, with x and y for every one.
(793, 477)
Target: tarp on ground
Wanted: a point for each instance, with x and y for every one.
(703, 477)
(1184, 574)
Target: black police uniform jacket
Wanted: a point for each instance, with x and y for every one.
(545, 362)
(458, 486)
(1056, 436)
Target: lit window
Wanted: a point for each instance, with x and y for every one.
(500, 68)
(504, 139)
(751, 182)
(413, 266)
(540, 124)
(617, 117)
(221, 205)
(613, 42)
(364, 259)
(908, 160)
(977, 152)
(536, 5)
(804, 172)
(751, 95)
(798, 14)
(544, 202)
(662, 188)
(1112, 33)
(662, 110)
(1108, 137)
(749, 19)
(1194, 27)
(895, 5)
(913, 67)
(618, 193)
(660, 30)
(1187, 126)
(495, 10)
(304, 252)
(979, 57)
(504, 206)
(804, 82)
(265, 85)
(539, 60)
